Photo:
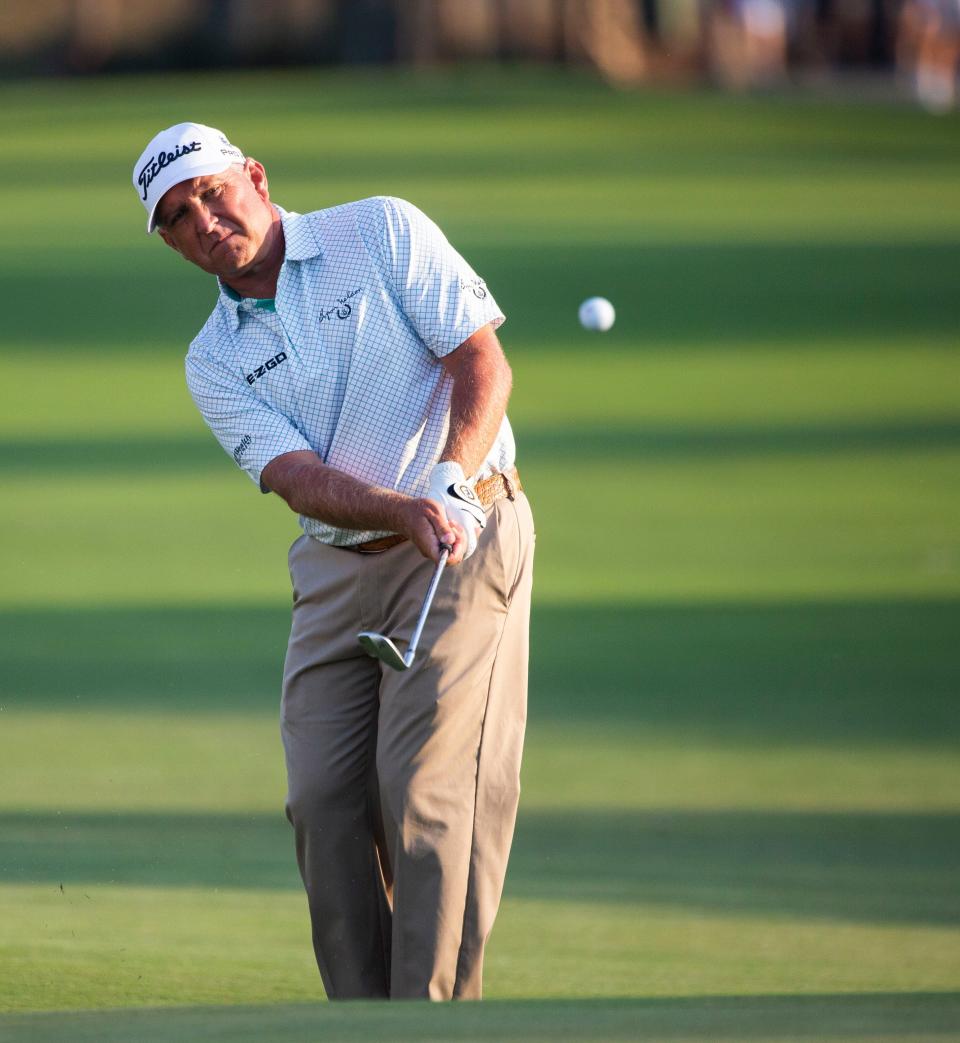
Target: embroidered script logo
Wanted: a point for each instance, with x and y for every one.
(341, 309)
(161, 160)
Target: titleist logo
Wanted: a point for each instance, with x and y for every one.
(164, 159)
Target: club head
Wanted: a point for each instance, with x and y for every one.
(382, 648)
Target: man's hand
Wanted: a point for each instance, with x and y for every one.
(426, 524)
(451, 490)
(312, 488)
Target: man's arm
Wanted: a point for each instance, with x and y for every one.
(481, 386)
(312, 488)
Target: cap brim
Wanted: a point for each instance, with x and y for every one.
(200, 170)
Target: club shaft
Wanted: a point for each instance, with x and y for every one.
(427, 601)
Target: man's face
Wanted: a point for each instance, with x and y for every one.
(219, 222)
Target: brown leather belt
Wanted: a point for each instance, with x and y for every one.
(488, 490)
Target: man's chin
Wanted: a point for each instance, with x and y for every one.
(230, 261)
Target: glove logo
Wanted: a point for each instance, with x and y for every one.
(464, 492)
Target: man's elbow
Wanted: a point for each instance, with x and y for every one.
(284, 476)
(491, 358)
(506, 376)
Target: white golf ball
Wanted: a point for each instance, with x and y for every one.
(596, 313)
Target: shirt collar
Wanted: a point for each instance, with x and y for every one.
(299, 236)
(300, 244)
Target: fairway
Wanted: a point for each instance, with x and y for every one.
(741, 807)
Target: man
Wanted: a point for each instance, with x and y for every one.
(351, 366)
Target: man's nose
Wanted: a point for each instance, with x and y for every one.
(206, 220)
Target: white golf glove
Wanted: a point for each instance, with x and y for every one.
(449, 487)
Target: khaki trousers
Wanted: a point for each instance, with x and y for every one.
(403, 786)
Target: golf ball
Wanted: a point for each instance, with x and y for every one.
(596, 313)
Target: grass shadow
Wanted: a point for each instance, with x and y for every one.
(830, 1018)
(884, 868)
(832, 672)
(181, 454)
(728, 295)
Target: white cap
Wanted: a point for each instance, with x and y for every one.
(177, 154)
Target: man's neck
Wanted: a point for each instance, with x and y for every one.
(260, 278)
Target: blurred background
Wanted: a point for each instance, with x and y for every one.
(735, 43)
(742, 781)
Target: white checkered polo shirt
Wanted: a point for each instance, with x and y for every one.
(345, 360)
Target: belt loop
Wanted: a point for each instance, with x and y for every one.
(508, 482)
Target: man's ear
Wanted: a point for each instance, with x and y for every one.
(166, 237)
(255, 171)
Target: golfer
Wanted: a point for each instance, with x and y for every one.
(350, 366)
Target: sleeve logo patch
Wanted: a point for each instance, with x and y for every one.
(262, 371)
(244, 445)
(476, 287)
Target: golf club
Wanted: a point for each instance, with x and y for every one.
(381, 647)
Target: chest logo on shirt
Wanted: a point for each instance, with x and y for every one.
(341, 310)
(262, 371)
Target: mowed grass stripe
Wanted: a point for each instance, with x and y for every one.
(828, 1017)
(94, 946)
(734, 526)
(751, 393)
(831, 675)
(542, 104)
(710, 294)
(198, 452)
(604, 209)
(202, 761)
(835, 867)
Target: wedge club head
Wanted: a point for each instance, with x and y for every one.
(384, 649)
(379, 646)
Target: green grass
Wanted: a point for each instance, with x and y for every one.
(831, 1018)
(740, 816)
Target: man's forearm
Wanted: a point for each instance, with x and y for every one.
(314, 489)
(481, 388)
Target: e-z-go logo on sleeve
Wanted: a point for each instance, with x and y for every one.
(262, 371)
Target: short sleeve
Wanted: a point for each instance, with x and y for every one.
(249, 429)
(442, 296)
